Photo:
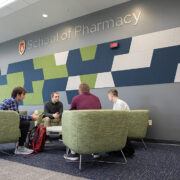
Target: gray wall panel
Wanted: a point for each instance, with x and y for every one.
(163, 101)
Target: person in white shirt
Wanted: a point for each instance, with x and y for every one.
(121, 105)
(118, 103)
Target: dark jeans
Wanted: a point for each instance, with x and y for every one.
(24, 128)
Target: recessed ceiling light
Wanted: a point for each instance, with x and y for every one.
(45, 15)
(4, 3)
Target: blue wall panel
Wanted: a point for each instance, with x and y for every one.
(30, 74)
(102, 62)
(163, 68)
(53, 85)
(71, 94)
(3, 80)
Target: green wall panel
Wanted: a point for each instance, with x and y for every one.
(55, 72)
(50, 70)
(35, 98)
(88, 53)
(13, 80)
(90, 79)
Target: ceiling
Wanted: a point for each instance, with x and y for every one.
(25, 16)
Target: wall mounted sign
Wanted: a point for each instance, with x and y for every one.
(22, 47)
(130, 19)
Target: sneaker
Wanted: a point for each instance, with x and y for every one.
(95, 156)
(47, 141)
(23, 150)
(72, 157)
(60, 138)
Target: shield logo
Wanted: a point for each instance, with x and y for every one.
(22, 47)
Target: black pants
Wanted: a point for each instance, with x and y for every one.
(128, 149)
(24, 128)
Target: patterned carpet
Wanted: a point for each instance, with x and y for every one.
(158, 162)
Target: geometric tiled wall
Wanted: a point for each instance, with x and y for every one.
(152, 58)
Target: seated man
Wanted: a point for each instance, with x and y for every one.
(52, 112)
(118, 103)
(85, 100)
(121, 105)
(18, 94)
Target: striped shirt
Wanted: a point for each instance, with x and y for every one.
(12, 105)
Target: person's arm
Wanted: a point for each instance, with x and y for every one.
(46, 112)
(25, 117)
(60, 109)
(100, 106)
(73, 105)
(13, 106)
(98, 102)
(3, 106)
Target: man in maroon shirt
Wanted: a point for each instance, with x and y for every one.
(85, 100)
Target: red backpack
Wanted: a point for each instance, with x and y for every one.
(37, 138)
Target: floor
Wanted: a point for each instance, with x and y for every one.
(158, 162)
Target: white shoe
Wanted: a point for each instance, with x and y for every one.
(72, 157)
(23, 150)
(47, 141)
(95, 156)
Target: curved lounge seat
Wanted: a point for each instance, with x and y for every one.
(9, 127)
(138, 124)
(94, 131)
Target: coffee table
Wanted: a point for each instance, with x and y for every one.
(54, 129)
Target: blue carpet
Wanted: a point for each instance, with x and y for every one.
(158, 162)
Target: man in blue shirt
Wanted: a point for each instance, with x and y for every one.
(18, 94)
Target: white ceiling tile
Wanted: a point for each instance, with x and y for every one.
(17, 5)
(5, 11)
(31, 1)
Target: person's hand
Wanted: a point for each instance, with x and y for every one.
(56, 115)
(35, 117)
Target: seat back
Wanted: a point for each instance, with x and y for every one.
(23, 112)
(94, 131)
(9, 126)
(138, 123)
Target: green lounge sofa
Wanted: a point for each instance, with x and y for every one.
(9, 128)
(95, 131)
(138, 124)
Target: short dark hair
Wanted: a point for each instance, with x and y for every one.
(53, 93)
(18, 90)
(114, 92)
(84, 87)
